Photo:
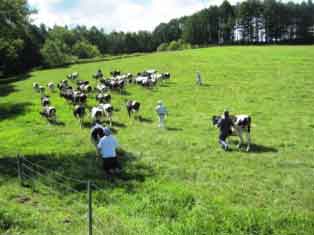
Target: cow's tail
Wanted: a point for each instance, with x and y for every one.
(249, 124)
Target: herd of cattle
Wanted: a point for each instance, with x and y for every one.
(77, 97)
(76, 93)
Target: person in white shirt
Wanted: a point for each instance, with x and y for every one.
(162, 112)
(198, 78)
(107, 147)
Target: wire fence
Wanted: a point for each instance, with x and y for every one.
(46, 181)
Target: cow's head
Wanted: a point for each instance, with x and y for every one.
(82, 98)
(88, 88)
(52, 112)
(45, 102)
(110, 110)
(215, 120)
(79, 110)
(98, 114)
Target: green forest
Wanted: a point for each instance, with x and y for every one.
(24, 45)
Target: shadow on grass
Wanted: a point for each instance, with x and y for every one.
(6, 89)
(174, 129)
(143, 119)
(57, 123)
(64, 172)
(123, 93)
(257, 148)
(17, 78)
(87, 124)
(115, 125)
(11, 111)
(118, 124)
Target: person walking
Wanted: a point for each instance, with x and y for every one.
(162, 113)
(224, 126)
(107, 147)
(198, 79)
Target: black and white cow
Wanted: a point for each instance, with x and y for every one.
(67, 93)
(129, 77)
(103, 98)
(115, 73)
(78, 98)
(98, 74)
(166, 76)
(241, 124)
(63, 85)
(51, 86)
(97, 114)
(41, 90)
(107, 110)
(149, 82)
(114, 84)
(102, 88)
(45, 101)
(81, 82)
(79, 113)
(73, 76)
(85, 88)
(50, 113)
(36, 86)
(132, 106)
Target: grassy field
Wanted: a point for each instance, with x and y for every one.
(175, 181)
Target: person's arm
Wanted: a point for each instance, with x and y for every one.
(99, 145)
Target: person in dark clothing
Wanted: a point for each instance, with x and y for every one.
(224, 125)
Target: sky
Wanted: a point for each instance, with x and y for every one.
(118, 15)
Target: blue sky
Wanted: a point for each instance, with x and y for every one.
(126, 15)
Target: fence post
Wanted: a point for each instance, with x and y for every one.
(19, 169)
(90, 209)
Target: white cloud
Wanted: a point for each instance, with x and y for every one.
(126, 15)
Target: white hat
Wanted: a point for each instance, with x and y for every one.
(159, 102)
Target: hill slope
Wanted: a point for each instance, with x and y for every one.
(175, 181)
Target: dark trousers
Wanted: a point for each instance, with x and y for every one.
(223, 136)
(110, 163)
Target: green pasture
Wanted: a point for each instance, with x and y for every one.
(175, 181)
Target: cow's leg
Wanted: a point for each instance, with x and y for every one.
(110, 119)
(129, 113)
(248, 139)
(81, 122)
(239, 133)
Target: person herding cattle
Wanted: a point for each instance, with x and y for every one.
(107, 147)
(198, 79)
(162, 112)
(234, 125)
(224, 124)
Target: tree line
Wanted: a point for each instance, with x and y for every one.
(24, 45)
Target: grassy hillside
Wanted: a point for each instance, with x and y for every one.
(175, 181)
